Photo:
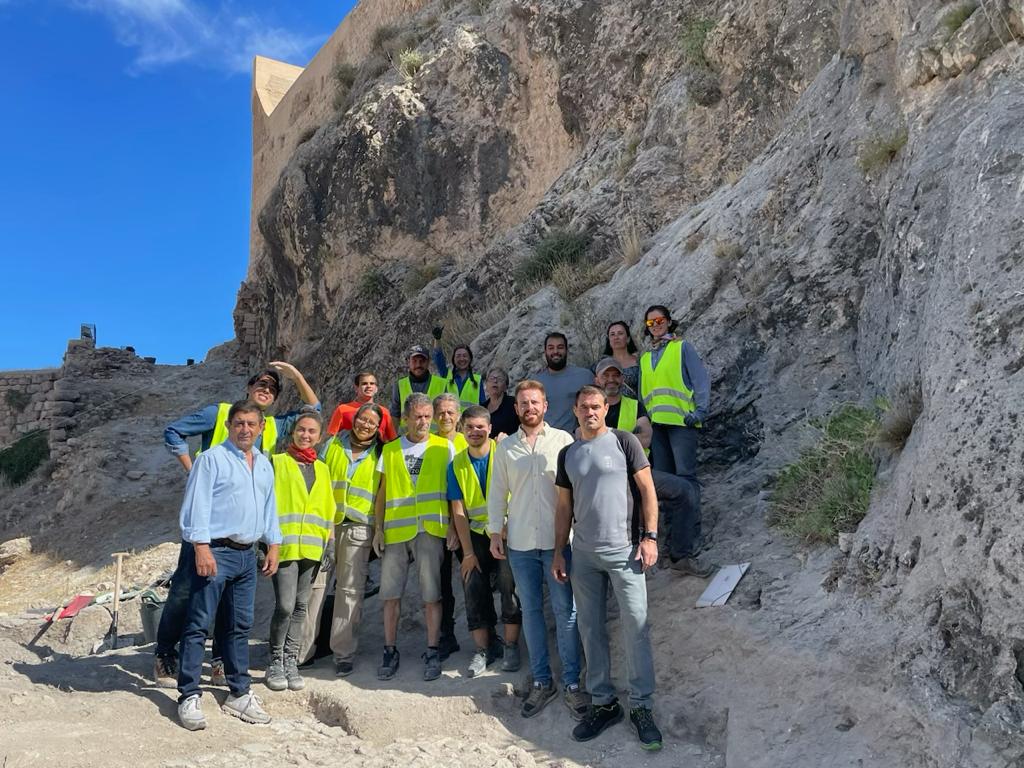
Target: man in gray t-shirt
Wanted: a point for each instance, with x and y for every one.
(561, 382)
(595, 479)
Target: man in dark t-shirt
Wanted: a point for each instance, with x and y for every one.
(595, 478)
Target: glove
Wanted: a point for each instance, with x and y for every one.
(327, 560)
(692, 419)
(437, 331)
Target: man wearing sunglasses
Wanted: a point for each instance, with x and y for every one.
(210, 424)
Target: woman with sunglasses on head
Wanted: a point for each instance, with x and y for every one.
(619, 345)
(675, 388)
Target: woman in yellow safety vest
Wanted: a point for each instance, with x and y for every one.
(352, 457)
(306, 513)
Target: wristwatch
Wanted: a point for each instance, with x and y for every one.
(652, 535)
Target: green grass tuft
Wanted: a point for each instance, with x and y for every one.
(374, 284)
(955, 19)
(881, 149)
(694, 35)
(828, 489)
(20, 460)
(408, 63)
(558, 248)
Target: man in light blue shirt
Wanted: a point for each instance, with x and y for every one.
(228, 507)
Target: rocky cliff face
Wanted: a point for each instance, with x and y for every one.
(829, 195)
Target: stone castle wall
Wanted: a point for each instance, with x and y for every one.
(26, 403)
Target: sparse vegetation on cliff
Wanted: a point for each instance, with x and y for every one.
(23, 457)
(559, 248)
(956, 17)
(408, 63)
(695, 33)
(881, 149)
(17, 399)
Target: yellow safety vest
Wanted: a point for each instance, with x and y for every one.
(434, 388)
(459, 442)
(628, 408)
(306, 517)
(220, 432)
(468, 395)
(353, 496)
(473, 497)
(666, 396)
(406, 507)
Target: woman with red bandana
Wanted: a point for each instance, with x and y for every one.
(306, 513)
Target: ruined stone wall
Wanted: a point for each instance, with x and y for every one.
(25, 403)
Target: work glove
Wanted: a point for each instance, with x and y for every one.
(437, 331)
(327, 560)
(692, 419)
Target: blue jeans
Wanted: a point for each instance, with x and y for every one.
(532, 569)
(234, 589)
(674, 450)
(172, 619)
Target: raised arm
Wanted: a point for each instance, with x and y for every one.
(290, 372)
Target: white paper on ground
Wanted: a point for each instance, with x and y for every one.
(722, 585)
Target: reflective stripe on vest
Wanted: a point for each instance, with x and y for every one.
(220, 431)
(666, 396)
(474, 500)
(436, 386)
(306, 517)
(353, 497)
(407, 507)
(628, 408)
(468, 395)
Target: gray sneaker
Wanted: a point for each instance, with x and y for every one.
(217, 676)
(191, 714)
(431, 665)
(291, 673)
(276, 679)
(479, 663)
(577, 700)
(248, 708)
(510, 661)
(538, 697)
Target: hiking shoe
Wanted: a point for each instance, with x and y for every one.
(431, 665)
(248, 708)
(275, 679)
(577, 700)
(217, 673)
(389, 666)
(495, 650)
(165, 671)
(646, 730)
(291, 673)
(479, 663)
(597, 719)
(510, 661)
(538, 697)
(447, 646)
(191, 714)
(691, 566)
(343, 668)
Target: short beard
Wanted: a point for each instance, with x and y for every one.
(556, 366)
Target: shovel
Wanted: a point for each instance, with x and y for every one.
(112, 632)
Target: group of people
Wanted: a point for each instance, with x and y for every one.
(557, 485)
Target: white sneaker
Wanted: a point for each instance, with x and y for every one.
(191, 714)
(248, 708)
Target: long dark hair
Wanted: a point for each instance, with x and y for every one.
(630, 344)
(472, 376)
(672, 324)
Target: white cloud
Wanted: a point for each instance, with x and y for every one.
(164, 32)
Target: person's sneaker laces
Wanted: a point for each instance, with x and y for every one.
(190, 714)
(597, 719)
(292, 674)
(165, 671)
(478, 665)
(248, 708)
(217, 676)
(646, 730)
(691, 566)
(389, 666)
(538, 697)
(431, 664)
(577, 700)
(510, 660)
(275, 679)
(343, 668)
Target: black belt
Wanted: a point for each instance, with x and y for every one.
(230, 544)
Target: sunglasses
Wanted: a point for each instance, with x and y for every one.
(655, 321)
(266, 384)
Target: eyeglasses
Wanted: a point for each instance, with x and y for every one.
(655, 321)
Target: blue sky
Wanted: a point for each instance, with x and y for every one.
(125, 150)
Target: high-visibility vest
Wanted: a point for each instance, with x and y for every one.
(406, 506)
(666, 396)
(469, 394)
(220, 431)
(353, 496)
(434, 388)
(306, 517)
(459, 441)
(473, 497)
(628, 408)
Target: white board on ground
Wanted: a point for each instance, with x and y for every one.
(722, 585)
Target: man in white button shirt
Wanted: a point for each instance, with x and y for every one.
(522, 499)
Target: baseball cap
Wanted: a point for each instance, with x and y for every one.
(269, 373)
(605, 364)
(418, 349)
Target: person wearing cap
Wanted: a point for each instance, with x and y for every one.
(366, 392)
(625, 413)
(210, 425)
(420, 379)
